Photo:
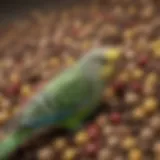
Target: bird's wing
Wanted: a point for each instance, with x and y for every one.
(64, 99)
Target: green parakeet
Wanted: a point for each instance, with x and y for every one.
(66, 101)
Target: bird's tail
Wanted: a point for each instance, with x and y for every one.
(12, 142)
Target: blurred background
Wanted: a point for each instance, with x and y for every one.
(40, 38)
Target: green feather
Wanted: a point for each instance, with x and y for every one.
(15, 139)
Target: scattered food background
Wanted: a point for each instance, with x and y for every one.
(41, 44)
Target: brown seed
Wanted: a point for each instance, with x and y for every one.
(122, 131)
(109, 93)
(101, 121)
(155, 122)
(113, 141)
(147, 12)
(124, 76)
(157, 156)
(108, 130)
(130, 67)
(128, 34)
(5, 104)
(92, 149)
(145, 144)
(45, 154)
(130, 54)
(132, 10)
(119, 157)
(14, 77)
(148, 90)
(131, 98)
(54, 62)
(147, 133)
(156, 147)
(105, 154)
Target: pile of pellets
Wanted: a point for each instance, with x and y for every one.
(40, 45)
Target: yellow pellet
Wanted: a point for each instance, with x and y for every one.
(14, 77)
(68, 40)
(132, 10)
(151, 79)
(70, 154)
(1, 98)
(155, 44)
(150, 105)
(81, 138)
(135, 154)
(109, 93)
(124, 76)
(137, 73)
(139, 113)
(4, 116)
(54, 61)
(128, 34)
(129, 143)
(26, 90)
(156, 52)
(60, 143)
(69, 60)
(86, 45)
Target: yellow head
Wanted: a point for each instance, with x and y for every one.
(101, 62)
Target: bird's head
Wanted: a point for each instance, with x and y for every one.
(101, 62)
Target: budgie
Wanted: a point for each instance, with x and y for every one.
(67, 100)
